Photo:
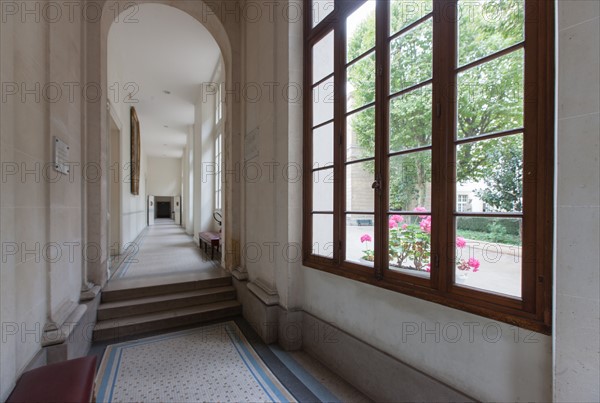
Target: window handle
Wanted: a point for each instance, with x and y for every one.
(376, 185)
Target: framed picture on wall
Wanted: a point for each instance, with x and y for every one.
(135, 153)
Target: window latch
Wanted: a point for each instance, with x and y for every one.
(376, 185)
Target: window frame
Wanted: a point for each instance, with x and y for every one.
(534, 310)
(218, 149)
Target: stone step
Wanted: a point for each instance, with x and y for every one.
(115, 329)
(130, 289)
(141, 306)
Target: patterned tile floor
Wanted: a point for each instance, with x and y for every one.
(305, 378)
(212, 363)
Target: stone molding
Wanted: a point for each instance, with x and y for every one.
(266, 294)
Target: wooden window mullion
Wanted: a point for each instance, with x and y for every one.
(444, 115)
(381, 139)
(307, 238)
(339, 139)
(528, 275)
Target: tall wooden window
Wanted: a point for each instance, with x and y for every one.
(428, 150)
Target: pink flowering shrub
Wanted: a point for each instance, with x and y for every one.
(397, 218)
(411, 243)
(466, 265)
(368, 254)
(426, 224)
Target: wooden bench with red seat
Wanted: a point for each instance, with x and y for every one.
(209, 238)
(67, 381)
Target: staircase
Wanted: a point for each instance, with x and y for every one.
(135, 306)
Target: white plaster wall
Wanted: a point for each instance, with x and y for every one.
(263, 243)
(8, 309)
(164, 176)
(288, 192)
(65, 196)
(271, 179)
(40, 211)
(577, 287)
(487, 362)
(133, 208)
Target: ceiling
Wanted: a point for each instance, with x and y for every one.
(166, 50)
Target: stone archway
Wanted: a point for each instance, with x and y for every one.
(97, 130)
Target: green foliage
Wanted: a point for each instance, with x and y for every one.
(366, 32)
(490, 99)
(506, 239)
(409, 242)
(504, 179)
(481, 224)
(410, 174)
(488, 26)
(361, 77)
(368, 255)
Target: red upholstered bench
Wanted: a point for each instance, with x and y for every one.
(212, 238)
(67, 381)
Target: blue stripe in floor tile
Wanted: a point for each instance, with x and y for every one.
(307, 379)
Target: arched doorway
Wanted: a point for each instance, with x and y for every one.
(97, 139)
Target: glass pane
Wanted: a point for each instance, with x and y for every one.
(360, 31)
(410, 182)
(323, 102)
(359, 191)
(320, 10)
(360, 85)
(488, 254)
(323, 58)
(360, 238)
(490, 96)
(360, 135)
(488, 26)
(411, 57)
(410, 120)
(322, 235)
(323, 146)
(405, 12)
(490, 175)
(323, 190)
(410, 244)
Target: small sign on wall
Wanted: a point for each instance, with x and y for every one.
(61, 156)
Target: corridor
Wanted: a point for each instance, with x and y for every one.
(164, 249)
(407, 194)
